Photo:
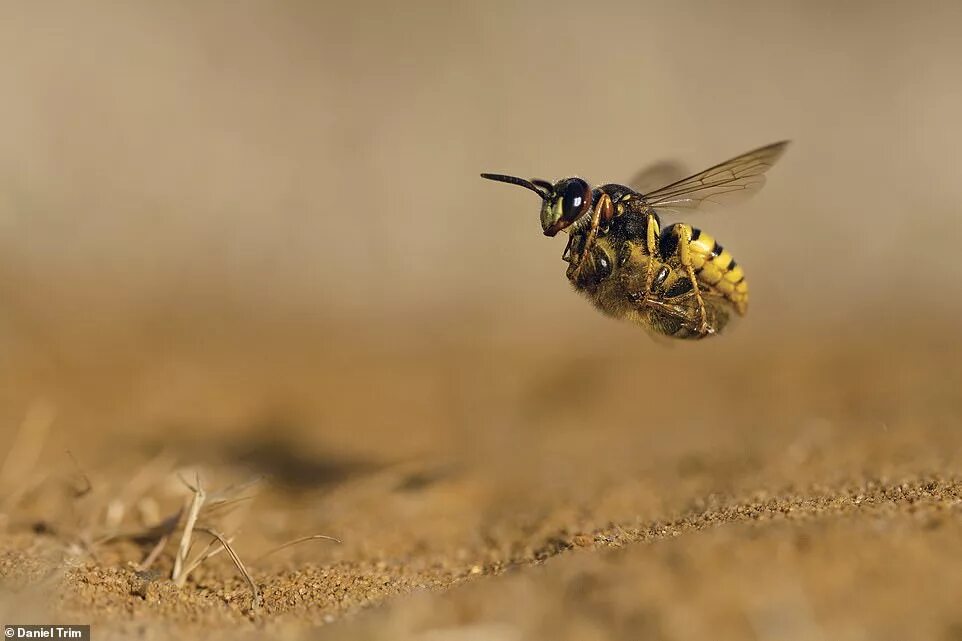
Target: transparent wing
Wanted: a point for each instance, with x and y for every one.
(657, 174)
(731, 181)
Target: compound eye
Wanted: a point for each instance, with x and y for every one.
(575, 198)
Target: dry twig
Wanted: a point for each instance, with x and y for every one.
(178, 576)
(303, 539)
(255, 593)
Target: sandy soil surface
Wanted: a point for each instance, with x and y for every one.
(741, 489)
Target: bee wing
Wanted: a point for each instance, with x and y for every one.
(657, 174)
(730, 181)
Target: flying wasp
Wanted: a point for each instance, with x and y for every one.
(675, 281)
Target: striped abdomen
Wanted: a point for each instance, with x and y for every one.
(714, 266)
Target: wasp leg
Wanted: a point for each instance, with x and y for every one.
(651, 244)
(603, 211)
(566, 254)
(668, 309)
(673, 311)
(651, 275)
(682, 238)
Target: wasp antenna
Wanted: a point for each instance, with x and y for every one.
(513, 180)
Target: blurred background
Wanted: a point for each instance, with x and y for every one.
(234, 228)
(232, 213)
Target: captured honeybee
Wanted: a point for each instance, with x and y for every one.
(677, 281)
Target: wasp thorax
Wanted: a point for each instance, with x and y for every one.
(569, 200)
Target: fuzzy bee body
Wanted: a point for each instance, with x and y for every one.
(675, 281)
(618, 265)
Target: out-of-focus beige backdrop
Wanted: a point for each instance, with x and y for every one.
(183, 182)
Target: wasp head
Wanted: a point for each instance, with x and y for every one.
(561, 203)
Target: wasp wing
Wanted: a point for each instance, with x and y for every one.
(730, 181)
(657, 174)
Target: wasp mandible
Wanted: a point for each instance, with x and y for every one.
(675, 281)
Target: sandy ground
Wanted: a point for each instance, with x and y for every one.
(796, 492)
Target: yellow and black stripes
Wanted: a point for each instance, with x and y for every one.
(713, 264)
(674, 280)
